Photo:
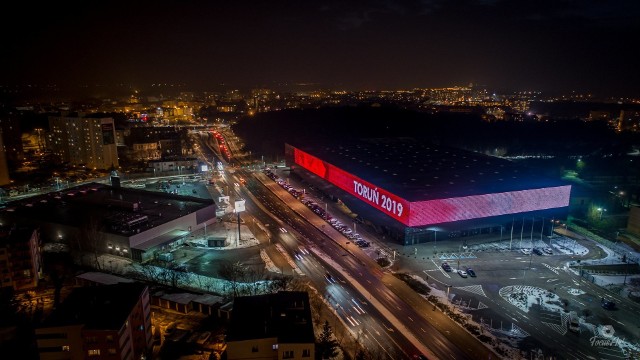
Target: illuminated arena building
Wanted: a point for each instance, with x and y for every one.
(416, 193)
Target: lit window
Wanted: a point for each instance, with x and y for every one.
(275, 347)
(65, 348)
(94, 352)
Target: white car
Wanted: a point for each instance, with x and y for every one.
(526, 251)
(462, 273)
(548, 251)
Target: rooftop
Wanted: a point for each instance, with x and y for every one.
(285, 315)
(118, 210)
(417, 171)
(103, 307)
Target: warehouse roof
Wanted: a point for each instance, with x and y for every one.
(117, 210)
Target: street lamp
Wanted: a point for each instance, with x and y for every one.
(435, 241)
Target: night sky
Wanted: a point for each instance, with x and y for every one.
(546, 45)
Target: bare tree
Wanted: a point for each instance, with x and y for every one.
(234, 273)
(317, 306)
(255, 279)
(278, 283)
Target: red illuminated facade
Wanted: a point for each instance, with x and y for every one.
(434, 211)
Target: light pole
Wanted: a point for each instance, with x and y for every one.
(626, 271)
(435, 241)
(239, 207)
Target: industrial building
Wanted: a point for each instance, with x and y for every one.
(415, 192)
(100, 218)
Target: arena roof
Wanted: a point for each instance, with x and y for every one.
(416, 171)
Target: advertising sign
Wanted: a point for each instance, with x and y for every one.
(373, 195)
(487, 205)
(239, 206)
(108, 137)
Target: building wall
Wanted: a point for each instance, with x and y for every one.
(21, 263)
(57, 343)
(257, 349)
(4, 167)
(101, 344)
(11, 138)
(296, 351)
(269, 348)
(88, 141)
(633, 226)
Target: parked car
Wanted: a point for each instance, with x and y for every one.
(526, 251)
(548, 251)
(538, 251)
(471, 272)
(462, 273)
(446, 267)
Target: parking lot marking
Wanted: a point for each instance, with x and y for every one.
(476, 289)
(441, 269)
(551, 268)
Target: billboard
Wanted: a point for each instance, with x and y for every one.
(108, 136)
(239, 206)
(429, 212)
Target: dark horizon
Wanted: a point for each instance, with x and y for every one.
(549, 46)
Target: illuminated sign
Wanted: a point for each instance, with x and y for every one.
(428, 212)
(375, 196)
(486, 205)
(239, 206)
(108, 136)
